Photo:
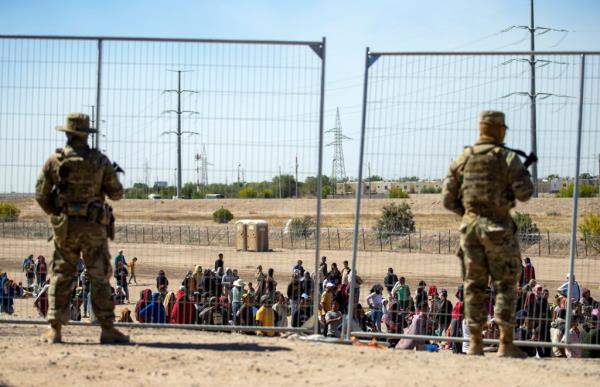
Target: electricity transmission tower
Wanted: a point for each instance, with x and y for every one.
(338, 168)
(202, 169)
(179, 132)
(532, 94)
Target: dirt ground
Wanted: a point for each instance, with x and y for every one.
(550, 214)
(190, 358)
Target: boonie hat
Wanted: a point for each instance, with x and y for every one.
(492, 118)
(78, 124)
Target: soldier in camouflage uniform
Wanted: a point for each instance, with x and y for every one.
(482, 186)
(71, 189)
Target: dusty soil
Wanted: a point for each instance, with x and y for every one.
(190, 358)
(551, 214)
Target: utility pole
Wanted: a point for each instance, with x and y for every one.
(297, 177)
(238, 175)
(533, 94)
(338, 170)
(179, 132)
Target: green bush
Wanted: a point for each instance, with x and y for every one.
(248, 193)
(590, 228)
(301, 228)
(222, 215)
(395, 220)
(524, 223)
(9, 212)
(585, 191)
(398, 193)
(431, 190)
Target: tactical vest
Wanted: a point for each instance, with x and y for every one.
(484, 188)
(79, 182)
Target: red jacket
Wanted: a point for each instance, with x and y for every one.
(183, 311)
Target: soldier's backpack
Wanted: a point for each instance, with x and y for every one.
(79, 181)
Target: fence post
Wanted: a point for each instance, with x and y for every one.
(363, 238)
(305, 238)
(585, 244)
(419, 239)
(207, 236)
(548, 242)
(409, 247)
(143, 234)
(339, 241)
(3, 231)
(291, 239)
(135, 232)
(162, 234)
(227, 232)
(380, 243)
(282, 237)
(189, 235)
(329, 238)
(391, 242)
(152, 233)
(179, 234)
(448, 241)
(539, 244)
(170, 235)
(126, 233)
(439, 242)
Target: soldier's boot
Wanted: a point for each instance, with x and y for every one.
(507, 348)
(475, 341)
(53, 335)
(110, 335)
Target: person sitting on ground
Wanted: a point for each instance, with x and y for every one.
(212, 314)
(145, 299)
(245, 316)
(125, 316)
(281, 309)
(154, 312)
(168, 303)
(183, 311)
(265, 317)
(119, 295)
(418, 326)
(301, 314)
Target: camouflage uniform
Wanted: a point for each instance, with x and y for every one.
(482, 186)
(71, 189)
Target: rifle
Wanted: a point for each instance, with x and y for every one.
(529, 158)
(118, 168)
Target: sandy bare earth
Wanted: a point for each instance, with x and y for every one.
(190, 358)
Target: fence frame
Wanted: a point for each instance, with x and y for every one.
(318, 47)
(370, 59)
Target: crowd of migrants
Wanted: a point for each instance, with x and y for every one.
(218, 296)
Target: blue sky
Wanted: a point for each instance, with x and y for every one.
(349, 27)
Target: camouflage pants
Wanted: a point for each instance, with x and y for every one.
(90, 240)
(491, 249)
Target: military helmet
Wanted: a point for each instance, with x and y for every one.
(77, 124)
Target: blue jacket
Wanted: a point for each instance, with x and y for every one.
(154, 312)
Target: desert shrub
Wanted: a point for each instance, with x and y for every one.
(248, 193)
(222, 215)
(9, 212)
(590, 228)
(585, 191)
(301, 227)
(398, 193)
(528, 231)
(430, 190)
(395, 219)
